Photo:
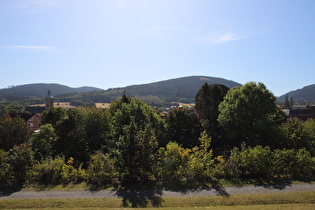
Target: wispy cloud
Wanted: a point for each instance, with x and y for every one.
(229, 37)
(30, 47)
(220, 38)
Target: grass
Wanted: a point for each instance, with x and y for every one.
(293, 200)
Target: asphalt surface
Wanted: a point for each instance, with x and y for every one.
(222, 191)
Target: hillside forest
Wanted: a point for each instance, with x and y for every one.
(233, 134)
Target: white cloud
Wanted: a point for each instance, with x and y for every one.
(229, 37)
(220, 38)
(30, 47)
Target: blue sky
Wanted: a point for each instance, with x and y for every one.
(115, 43)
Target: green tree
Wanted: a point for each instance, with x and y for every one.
(20, 160)
(13, 131)
(246, 113)
(136, 129)
(71, 140)
(183, 127)
(296, 134)
(53, 116)
(43, 142)
(309, 127)
(97, 130)
(207, 101)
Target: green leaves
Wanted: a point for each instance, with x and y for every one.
(245, 113)
(136, 129)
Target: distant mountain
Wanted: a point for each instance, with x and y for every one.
(303, 95)
(181, 89)
(41, 89)
(161, 93)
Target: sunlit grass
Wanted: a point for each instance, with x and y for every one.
(293, 200)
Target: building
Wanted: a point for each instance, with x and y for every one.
(301, 112)
(49, 101)
(33, 120)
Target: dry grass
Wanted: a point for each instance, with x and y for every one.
(291, 200)
(102, 105)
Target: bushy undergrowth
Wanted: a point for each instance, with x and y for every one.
(174, 165)
(261, 162)
(101, 170)
(53, 171)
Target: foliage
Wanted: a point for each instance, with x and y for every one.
(53, 171)
(13, 131)
(53, 116)
(135, 128)
(101, 170)
(184, 165)
(6, 106)
(254, 162)
(71, 141)
(173, 162)
(97, 130)
(43, 142)
(207, 100)
(245, 114)
(19, 161)
(130, 140)
(4, 169)
(183, 127)
(296, 134)
(263, 163)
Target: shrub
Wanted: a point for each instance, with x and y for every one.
(71, 173)
(19, 161)
(174, 162)
(305, 165)
(190, 166)
(5, 169)
(249, 162)
(284, 162)
(101, 170)
(53, 171)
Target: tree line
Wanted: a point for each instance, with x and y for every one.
(230, 133)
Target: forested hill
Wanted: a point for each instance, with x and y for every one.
(303, 95)
(40, 90)
(181, 89)
(157, 94)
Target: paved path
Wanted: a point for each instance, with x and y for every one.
(154, 193)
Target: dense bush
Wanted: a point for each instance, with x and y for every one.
(262, 162)
(13, 131)
(53, 171)
(43, 142)
(4, 169)
(14, 165)
(101, 170)
(191, 166)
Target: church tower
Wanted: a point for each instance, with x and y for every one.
(49, 100)
(288, 103)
